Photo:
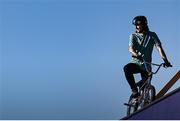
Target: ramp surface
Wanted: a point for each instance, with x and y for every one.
(165, 108)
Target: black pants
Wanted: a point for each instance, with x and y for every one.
(131, 69)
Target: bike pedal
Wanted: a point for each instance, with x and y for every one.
(126, 104)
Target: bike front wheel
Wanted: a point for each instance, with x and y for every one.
(132, 106)
(151, 93)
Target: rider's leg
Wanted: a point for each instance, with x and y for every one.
(144, 77)
(129, 70)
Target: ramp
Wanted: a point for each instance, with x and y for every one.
(164, 108)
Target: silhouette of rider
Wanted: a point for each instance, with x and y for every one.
(141, 45)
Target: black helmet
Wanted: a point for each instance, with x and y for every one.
(139, 20)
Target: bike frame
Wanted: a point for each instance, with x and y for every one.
(154, 64)
(150, 73)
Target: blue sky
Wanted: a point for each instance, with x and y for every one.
(63, 59)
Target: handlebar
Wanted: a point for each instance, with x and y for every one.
(145, 63)
(154, 64)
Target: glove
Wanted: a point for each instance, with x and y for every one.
(167, 63)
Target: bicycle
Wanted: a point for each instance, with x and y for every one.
(147, 91)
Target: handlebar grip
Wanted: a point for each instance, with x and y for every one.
(166, 66)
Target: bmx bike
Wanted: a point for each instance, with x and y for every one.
(147, 91)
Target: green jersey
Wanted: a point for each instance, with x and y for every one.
(143, 45)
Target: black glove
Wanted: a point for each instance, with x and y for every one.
(167, 63)
(138, 57)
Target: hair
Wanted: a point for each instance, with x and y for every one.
(143, 21)
(145, 28)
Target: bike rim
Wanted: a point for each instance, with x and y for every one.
(133, 105)
(151, 94)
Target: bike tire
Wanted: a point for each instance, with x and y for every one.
(148, 97)
(151, 93)
(132, 107)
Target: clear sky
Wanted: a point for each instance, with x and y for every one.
(63, 59)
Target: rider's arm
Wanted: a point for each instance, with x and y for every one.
(132, 44)
(163, 55)
(132, 51)
(161, 52)
(132, 41)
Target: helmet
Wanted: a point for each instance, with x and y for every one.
(139, 20)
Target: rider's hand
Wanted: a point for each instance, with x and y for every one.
(138, 57)
(167, 63)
